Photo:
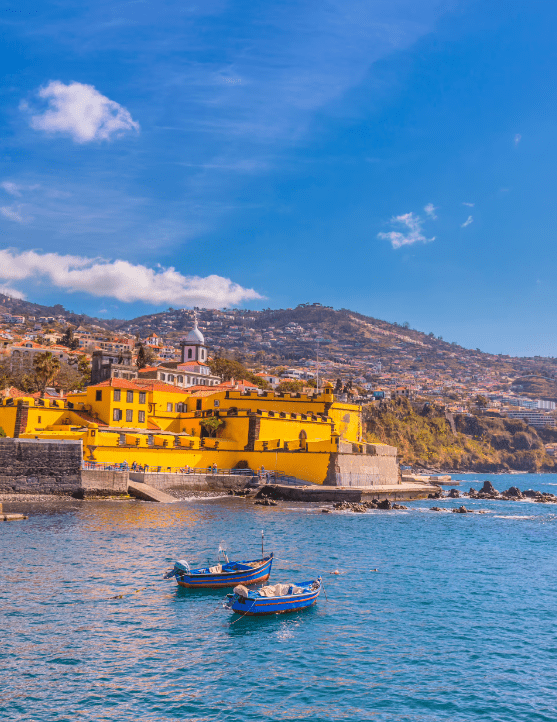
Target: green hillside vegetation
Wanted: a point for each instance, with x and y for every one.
(428, 438)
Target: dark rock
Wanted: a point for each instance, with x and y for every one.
(514, 492)
(266, 502)
(488, 488)
(399, 506)
(462, 510)
(326, 511)
(437, 495)
(385, 504)
(436, 508)
(530, 493)
(453, 494)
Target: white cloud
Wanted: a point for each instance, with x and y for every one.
(470, 205)
(411, 234)
(82, 112)
(123, 280)
(467, 222)
(12, 188)
(517, 139)
(430, 211)
(13, 213)
(9, 291)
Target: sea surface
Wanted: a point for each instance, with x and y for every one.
(458, 622)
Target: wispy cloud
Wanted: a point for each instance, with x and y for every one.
(17, 189)
(15, 213)
(81, 112)
(467, 222)
(517, 139)
(470, 205)
(122, 280)
(412, 231)
(430, 211)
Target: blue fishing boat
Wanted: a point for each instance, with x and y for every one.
(275, 598)
(228, 574)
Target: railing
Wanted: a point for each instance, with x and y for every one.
(262, 475)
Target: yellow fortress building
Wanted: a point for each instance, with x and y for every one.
(160, 427)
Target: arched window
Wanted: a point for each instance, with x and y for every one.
(180, 379)
(190, 353)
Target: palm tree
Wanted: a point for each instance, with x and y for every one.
(46, 367)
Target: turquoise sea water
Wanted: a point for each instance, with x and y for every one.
(458, 623)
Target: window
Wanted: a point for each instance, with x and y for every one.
(117, 394)
(150, 440)
(169, 406)
(202, 354)
(98, 395)
(129, 414)
(190, 353)
(39, 419)
(129, 397)
(163, 377)
(142, 397)
(180, 379)
(117, 415)
(141, 417)
(170, 377)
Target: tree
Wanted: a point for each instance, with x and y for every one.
(229, 369)
(46, 368)
(145, 357)
(75, 374)
(481, 401)
(212, 425)
(69, 340)
(290, 386)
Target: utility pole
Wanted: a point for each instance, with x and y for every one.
(317, 379)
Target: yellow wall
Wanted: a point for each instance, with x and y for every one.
(298, 443)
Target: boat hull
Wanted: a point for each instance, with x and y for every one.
(228, 579)
(255, 605)
(270, 606)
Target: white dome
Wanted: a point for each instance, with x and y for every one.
(195, 337)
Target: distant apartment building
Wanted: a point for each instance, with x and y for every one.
(532, 417)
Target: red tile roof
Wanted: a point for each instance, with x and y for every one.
(141, 385)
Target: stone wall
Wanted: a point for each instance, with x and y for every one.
(103, 483)
(190, 482)
(363, 465)
(30, 466)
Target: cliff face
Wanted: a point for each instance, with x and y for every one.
(425, 437)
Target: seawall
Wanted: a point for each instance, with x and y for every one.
(31, 466)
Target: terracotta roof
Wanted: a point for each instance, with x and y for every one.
(192, 363)
(141, 385)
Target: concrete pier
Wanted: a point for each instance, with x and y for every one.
(398, 492)
(148, 493)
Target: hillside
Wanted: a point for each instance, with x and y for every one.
(350, 345)
(427, 437)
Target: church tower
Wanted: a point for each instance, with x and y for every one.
(193, 346)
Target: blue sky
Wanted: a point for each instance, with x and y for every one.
(394, 157)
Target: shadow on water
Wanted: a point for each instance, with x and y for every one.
(239, 625)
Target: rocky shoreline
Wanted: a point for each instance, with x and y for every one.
(488, 491)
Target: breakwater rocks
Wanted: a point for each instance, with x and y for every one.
(363, 506)
(488, 491)
(459, 510)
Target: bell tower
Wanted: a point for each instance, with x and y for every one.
(193, 346)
